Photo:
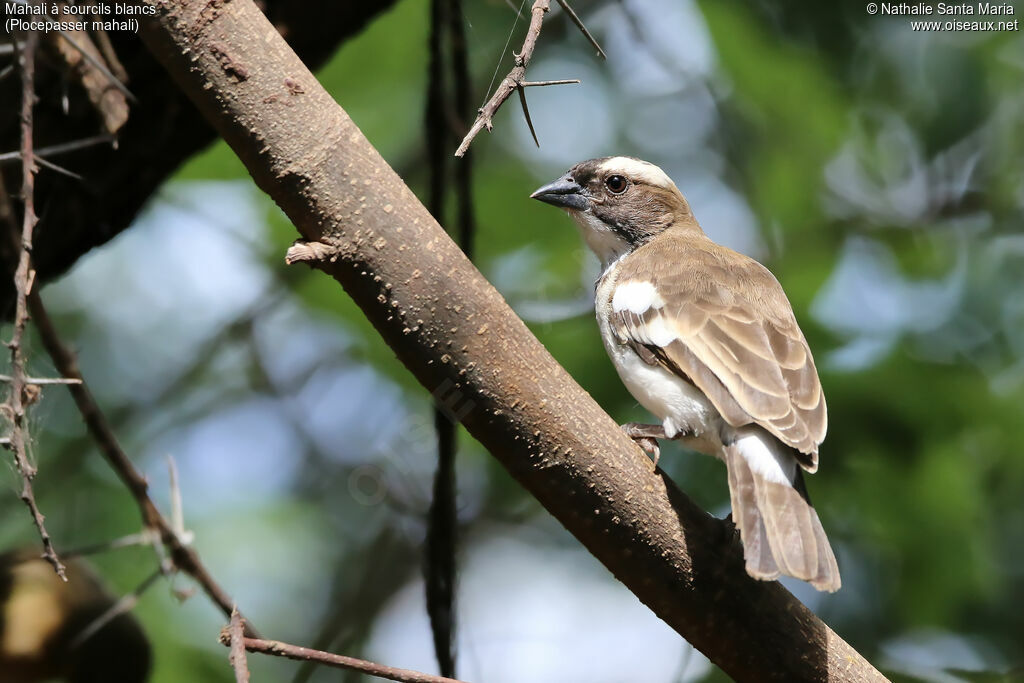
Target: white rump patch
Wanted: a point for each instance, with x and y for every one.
(636, 296)
(640, 170)
(770, 463)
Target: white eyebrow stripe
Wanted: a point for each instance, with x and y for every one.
(640, 170)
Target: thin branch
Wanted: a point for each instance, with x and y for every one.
(183, 556)
(144, 537)
(59, 169)
(561, 81)
(305, 654)
(463, 110)
(579, 24)
(236, 642)
(61, 148)
(24, 276)
(439, 550)
(42, 381)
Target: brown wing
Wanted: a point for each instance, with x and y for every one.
(725, 324)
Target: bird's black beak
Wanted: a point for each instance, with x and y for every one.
(564, 193)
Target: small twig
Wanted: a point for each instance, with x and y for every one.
(535, 84)
(42, 381)
(24, 276)
(579, 24)
(305, 654)
(526, 113)
(177, 509)
(236, 641)
(144, 537)
(59, 169)
(124, 605)
(61, 148)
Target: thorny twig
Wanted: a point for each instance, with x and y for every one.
(514, 80)
(24, 275)
(305, 654)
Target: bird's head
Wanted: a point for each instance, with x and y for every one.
(619, 203)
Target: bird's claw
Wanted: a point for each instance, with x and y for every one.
(646, 436)
(650, 445)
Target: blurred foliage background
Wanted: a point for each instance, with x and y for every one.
(875, 169)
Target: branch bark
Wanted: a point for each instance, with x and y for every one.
(457, 335)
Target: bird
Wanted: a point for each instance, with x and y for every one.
(705, 338)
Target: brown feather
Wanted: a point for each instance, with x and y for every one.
(780, 531)
(738, 343)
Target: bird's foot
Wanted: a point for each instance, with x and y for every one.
(646, 436)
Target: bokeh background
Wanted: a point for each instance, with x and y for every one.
(875, 169)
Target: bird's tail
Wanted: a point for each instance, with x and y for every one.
(781, 532)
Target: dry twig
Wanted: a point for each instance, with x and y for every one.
(24, 276)
(62, 148)
(236, 641)
(579, 24)
(514, 80)
(305, 654)
(182, 555)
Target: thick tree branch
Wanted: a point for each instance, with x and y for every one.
(457, 335)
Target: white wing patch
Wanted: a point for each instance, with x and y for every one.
(644, 171)
(658, 332)
(636, 297)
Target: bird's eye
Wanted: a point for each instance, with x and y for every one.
(616, 184)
